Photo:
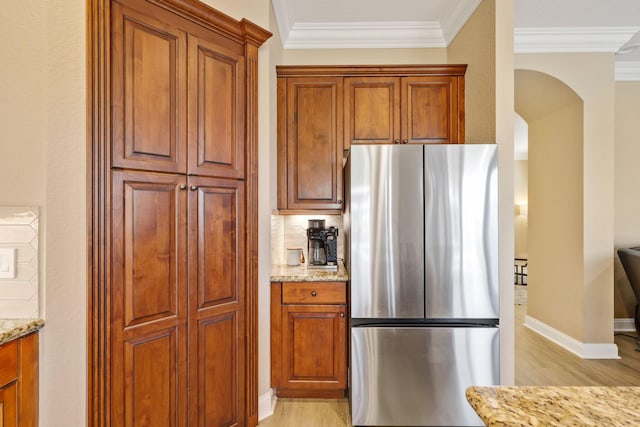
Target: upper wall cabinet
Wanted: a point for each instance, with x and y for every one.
(310, 143)
(178, 99)
(322, 110)
(418, 105)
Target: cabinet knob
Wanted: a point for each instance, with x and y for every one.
(314, 293)
(194, 187)
(404, 141)
(339, 202)
(396, 141)
(341, 314)
(183, 186)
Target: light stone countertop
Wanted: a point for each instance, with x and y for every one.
(556, 406)
(300, 273)
(10, 329)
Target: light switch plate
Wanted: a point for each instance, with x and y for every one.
(7, 263)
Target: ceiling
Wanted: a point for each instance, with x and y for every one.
(540, 25)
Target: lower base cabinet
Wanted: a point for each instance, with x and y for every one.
(308, 339)
(19, 382)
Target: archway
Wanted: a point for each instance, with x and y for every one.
(554, 114)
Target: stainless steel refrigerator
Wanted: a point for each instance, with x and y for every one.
(421, 228)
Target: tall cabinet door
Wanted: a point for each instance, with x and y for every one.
(431, 110)
(148, 299)
(314, 143)
(216, 302)
(216, 110)
(372, 110)
(149, 93)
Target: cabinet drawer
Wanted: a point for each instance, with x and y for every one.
(314, 293)
(8, 362)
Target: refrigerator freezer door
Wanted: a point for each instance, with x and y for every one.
(413, 376)
(387, 229)
(461, 231)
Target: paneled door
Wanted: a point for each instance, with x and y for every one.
(217, 313)
(306, 364)
(372, 110)
(148, 299)
(431, 110)
(314, 143)
(216, 110)
(149, 92)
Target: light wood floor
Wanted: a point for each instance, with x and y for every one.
(538, 362)
(541, 362)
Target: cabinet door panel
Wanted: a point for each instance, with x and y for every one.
(151, 390)
(148, 216)
(306, 364)
(217, 310)
(9, 405)
(148, 294)
(372, 110)
(148, 93)
(216, 220)
(219, 371)
(314, 143)
(216, 110)
(430, 107)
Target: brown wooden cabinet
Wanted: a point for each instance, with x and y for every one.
(310, 143)
(308, 339)
(411, 107)
(174, 336)
(19, 382)
(322, 110)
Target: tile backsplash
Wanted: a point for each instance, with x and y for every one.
(19, 230)
(290, 231)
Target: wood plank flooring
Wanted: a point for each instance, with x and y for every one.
(538, 362)
(541, 362)
(309, 413)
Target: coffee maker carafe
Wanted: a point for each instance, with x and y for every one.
(322, 245)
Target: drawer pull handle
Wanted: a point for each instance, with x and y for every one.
(314, 293)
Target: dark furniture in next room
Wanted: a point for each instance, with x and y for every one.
(630, 259)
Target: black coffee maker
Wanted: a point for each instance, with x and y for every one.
(322, 245)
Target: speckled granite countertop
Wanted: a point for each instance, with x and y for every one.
(556, 406)
(300, 273)
(10, 329)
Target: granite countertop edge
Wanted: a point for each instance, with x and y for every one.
(556, 405)
(11, 329)
(300, 273)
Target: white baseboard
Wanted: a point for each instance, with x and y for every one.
(585, 351)
(266, 404)
(623, 324)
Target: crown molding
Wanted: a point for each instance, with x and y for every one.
(283, 20)
(627, 71)
(351, 35)
(571, 39)
(460, 14)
